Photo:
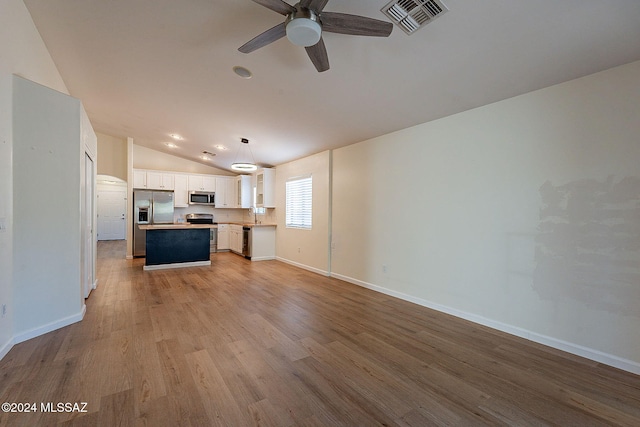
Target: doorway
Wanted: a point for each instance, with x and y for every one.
(112, 206)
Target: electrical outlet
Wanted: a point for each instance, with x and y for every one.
(4, 309)
(384, 268)
(298, 250)
(3, 225)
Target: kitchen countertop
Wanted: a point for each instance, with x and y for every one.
(251, 224)
(186, 226)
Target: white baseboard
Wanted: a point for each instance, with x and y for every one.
(6, 348)
(177, 265)
(579, 350)
(262, 258)
(52, 326)
(303, 266)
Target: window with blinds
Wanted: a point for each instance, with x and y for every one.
(299, 202)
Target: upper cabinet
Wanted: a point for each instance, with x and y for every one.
(181, 190)
(152, 180)
(139, 178)
(159, 181)
(243, 191)
(225, 192)
(231, 191)
(202, 183)
(266, 188)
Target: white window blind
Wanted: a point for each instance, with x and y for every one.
(299, 202)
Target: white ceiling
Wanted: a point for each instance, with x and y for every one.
(149, 68)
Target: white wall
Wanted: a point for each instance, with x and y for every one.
(22, 52)
(48, 231)
(523, 215)
(305, 248)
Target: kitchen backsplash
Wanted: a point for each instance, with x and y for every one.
(269, 217)
(219, 215)
(224, 215)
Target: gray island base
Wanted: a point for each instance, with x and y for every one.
(174, 247)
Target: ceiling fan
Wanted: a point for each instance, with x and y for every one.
(304, 24)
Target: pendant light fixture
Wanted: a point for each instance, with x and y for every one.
(244, 166)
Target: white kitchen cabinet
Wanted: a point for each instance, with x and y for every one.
(266, 188)
(225, 190)
(242, 191)
(139, 178)
(223, 237)
(181, 191)
(160, 180)
(203, 183)
(235, 238)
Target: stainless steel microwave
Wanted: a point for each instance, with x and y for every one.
(202, 198)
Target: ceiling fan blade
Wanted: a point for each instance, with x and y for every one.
(277, 6)
(318, 55)
(315, 5)
(264, 39)
(343, 23)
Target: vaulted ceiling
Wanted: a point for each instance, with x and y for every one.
(150, 68)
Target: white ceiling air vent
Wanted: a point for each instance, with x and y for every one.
(411, 15)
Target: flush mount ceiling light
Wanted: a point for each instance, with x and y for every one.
(242, 72)
(303, 28)
(244, 166)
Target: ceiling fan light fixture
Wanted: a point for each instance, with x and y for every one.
(304, 32)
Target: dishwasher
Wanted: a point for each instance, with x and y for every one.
(246, 242)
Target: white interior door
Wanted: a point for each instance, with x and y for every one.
(112, 206)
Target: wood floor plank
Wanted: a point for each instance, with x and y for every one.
(216, 397)
(243, 343)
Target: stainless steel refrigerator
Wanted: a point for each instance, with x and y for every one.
(149, 207)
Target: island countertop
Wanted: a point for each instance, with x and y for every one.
(176, 226)
(187, 226)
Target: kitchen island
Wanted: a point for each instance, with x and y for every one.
(177, 245)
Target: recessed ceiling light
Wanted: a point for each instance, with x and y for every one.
(170, 145)
(220, 147)
(242, 72)
(203, 157)
(176, 137)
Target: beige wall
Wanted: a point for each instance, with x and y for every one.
(146, 158)
(305, 248)
(522, 215)
(112, 156)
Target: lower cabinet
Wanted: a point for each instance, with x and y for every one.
(223, 237)
(235, 238)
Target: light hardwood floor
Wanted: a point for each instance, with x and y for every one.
(265, 343)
